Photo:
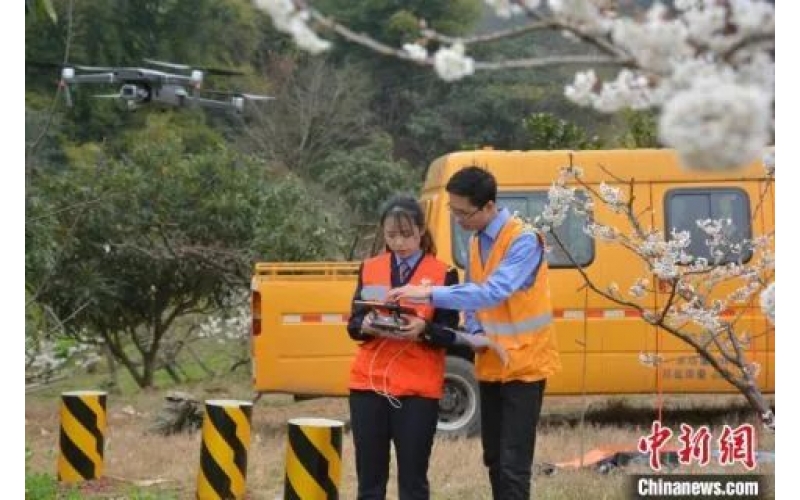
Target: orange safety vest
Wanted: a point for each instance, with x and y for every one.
(399, 367)
(522, 324)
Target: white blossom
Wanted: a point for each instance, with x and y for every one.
(716, 127)
(717, 231)
(699, 264)
(502, 8)
(769, 162)
(629, 90)
(652, 246)
(280, 11)
(690, 72)
(416, 51)
(451, 64)
(708, 317)
(707, 24)
(655, 43)
(583, 14)
(665, 268)
(753, 16)
(753, 368)
(684, 4)
(560, 200)
(758, 71)
(639, 289)
(601, 232)
(768, 302)
(612, 196)
(287, 18)
(582, 89)
(306, 38)
(744, 292)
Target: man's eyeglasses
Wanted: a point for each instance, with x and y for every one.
(462, 214)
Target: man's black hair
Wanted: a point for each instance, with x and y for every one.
(474, 183)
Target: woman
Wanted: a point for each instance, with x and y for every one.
(396, 379)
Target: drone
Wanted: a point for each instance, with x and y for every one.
(140, 86)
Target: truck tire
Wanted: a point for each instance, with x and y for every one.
(459, 408)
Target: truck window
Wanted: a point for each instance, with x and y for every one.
(684, 207)
(528, 205)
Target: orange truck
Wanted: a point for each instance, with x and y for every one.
(299, 310)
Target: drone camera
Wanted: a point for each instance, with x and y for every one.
(128, 92)
(197, 77)
(67, 73)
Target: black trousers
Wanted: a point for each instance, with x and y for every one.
(375, 424)
(509, 415)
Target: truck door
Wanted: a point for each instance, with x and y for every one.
(300, 343)
(680, 206)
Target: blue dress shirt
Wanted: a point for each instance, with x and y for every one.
(410, 261)
(514, 273)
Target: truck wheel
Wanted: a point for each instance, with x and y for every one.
(459, 408)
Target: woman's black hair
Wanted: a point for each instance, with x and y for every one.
(407, 208)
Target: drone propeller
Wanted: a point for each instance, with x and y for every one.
(107, 96)
(251, 97)
(186, 67)
(257, 97)
(167, 64)
(94, 68)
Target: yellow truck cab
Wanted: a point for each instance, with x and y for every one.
(300, 345)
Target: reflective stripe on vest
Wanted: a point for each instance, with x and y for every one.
(374, 292)
(522, 324)
(525, 326)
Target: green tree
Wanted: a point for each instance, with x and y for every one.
(640, 129)
(162, 223)
(546, 131)
(319, 108)
(399, 22)
(41, 8)
(367, 176)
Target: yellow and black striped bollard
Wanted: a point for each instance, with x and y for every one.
(313, 459)
(81, 436)
(223, 454)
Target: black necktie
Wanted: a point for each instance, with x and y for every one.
(402, 271)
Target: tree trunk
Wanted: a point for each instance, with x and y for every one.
(113, 373)
(173, 374)
(117, 350)
(757, 401)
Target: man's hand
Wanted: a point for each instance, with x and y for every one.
(412, 293)
(415, 327)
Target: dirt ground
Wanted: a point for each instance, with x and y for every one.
(167, 467)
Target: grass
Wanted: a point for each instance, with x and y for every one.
(144, 466)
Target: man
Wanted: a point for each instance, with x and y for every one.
(506, 297)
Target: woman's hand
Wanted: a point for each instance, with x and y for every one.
(414, 328)
(366, 325)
